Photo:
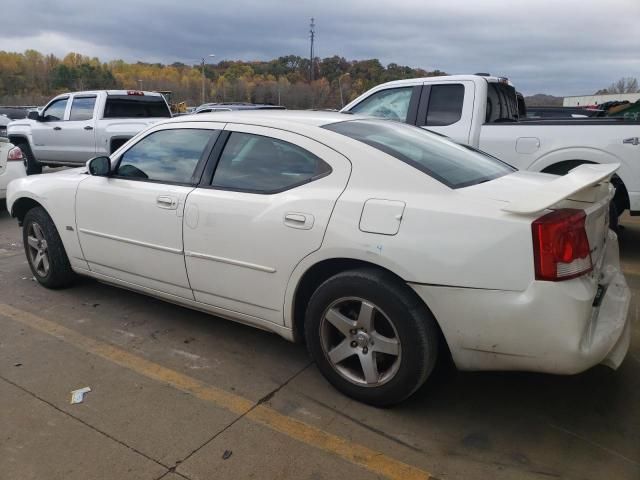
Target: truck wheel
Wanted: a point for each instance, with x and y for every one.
(370, 336)
(33, 166)
(44, 249)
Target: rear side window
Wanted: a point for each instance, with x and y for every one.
(445, 104)
(259, 164)
(392, 104)
(438, 157)
(82, 108)
(169, 156)
(135, 106)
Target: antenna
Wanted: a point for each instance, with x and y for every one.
(312, 36)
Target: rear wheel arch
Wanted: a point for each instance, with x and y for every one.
(321, 271)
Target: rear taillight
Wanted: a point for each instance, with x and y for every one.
(560, 245)
(15, 155)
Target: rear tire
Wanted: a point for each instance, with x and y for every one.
(371, 336)
(33, 166)
(44, 250)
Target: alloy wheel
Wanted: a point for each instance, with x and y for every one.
(360, 342)
(38, 250)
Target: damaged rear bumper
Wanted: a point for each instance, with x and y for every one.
(552, 327)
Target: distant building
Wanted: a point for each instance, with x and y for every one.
(585, 100)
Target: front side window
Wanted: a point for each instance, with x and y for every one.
(445, 104)
(392, 104)
(254, 163)
(165, 156)
(438, 157)
(55, 111)
(82, 108)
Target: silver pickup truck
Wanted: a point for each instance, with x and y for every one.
(74, 127)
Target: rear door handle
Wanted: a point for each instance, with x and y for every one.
(57, 128)
(88, 127)
(168, 202)
(631, 141)
(303, 221)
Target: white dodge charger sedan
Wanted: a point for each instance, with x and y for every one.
(380, 244)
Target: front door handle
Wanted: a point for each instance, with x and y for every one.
(168, 202)
(88, 127)
(303, 221)
(57, 128)
(631, 141)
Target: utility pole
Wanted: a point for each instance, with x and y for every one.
(312, 36)
(211, 55)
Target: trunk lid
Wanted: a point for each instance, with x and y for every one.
(529, 194)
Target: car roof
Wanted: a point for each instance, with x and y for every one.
(274, 118)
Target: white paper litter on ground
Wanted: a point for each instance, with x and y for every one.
(77, 396)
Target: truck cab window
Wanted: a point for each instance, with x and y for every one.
(502, 103)
(82, 108)
(392, 103)
(445, 104)
(55, 111)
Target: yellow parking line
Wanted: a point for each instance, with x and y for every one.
(360, 455)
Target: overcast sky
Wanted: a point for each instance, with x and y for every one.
(561, 47)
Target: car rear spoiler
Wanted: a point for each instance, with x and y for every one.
(580, 178)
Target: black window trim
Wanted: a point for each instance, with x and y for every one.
(216, 154)
(83, 96)
(196, 177)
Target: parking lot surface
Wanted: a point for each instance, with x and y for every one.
(180, 394)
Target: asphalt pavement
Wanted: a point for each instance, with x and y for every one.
(180, 394)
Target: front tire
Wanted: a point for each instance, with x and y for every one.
(33, 166)
(371, 336)
(44, 250)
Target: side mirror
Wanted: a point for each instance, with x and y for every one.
(34, 115)
(99, 166)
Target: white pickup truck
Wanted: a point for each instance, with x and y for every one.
(484, 112)
(74, 127)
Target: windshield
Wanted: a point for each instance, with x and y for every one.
(454, 165)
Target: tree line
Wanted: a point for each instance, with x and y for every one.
(31, 78)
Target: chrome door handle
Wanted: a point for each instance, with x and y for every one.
(165, 201)
(631, 141)
(303, 221)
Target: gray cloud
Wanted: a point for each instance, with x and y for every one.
(563, 48)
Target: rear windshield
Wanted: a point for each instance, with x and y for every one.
(135, 106)
(502, 103)
(438, 157)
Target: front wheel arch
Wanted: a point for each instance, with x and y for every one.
(21, 206)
